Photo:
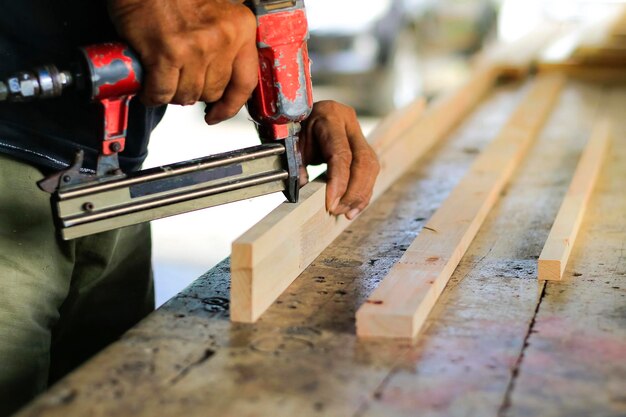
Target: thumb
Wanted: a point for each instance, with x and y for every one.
(304, 176)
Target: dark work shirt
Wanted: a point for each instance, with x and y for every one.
(48, 133)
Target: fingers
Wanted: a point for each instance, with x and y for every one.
(167, 83)
(352, 164)
(190, 84)
(242, 83)
(330, 136)
(363, 170)
(359, 181)
(191, 50)
(216, 80)
(161, 84)
(338, 177)
(304, 177)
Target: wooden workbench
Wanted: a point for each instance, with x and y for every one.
(498, 343)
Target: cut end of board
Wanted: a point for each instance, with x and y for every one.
(372, 322)
(549, 270)
(275, 269)
(241, 308)
(241, 254)
(400, 306)
(556, 252)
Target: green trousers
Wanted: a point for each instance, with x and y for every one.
(60, 302)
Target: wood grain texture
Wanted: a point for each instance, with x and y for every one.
(302, 357)
(556, 252)
(400, 305)
(302, 354)
(574, 360)
(394, 125)
(268, 257)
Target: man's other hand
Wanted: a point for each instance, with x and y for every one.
(332, 134)
(192, 50)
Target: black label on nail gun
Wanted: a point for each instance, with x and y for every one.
(184, 180)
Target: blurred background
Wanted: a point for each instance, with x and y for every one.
(375, 56)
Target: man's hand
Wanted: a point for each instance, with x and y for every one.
(192, 50)
(332, 134)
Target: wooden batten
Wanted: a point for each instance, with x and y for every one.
(399, 307)
(268, 257)
(555, 253)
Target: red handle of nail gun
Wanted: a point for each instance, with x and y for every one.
(115, 77)
(284, 94)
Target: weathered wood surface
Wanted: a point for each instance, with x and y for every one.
(271, 255)
(562, 237)
(399, 307)
(302, 357)
(479, 329)
(575, 362)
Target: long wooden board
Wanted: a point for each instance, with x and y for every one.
(573, 363)
(267, 258)
(555, 253)
(400, 305)
(516, 58)
(593, 73)
(303, 359)
(593, 45)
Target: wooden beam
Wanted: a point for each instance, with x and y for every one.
(515, 59)
(593, 73)
(591, 44)
(556, 251)
(618, 28)
(268, 257)
(400, 305)
(597, 44)
(394, 125)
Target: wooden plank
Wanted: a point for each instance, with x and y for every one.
(588, 44)
(593, 73)
(515, 59)
(556, 252)
(302, 357)
(401, 304)
(598, 45)
(268, 257)
(394, 125)
(573, 364)
(468, 350)
(618, 28)
(596, 33)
